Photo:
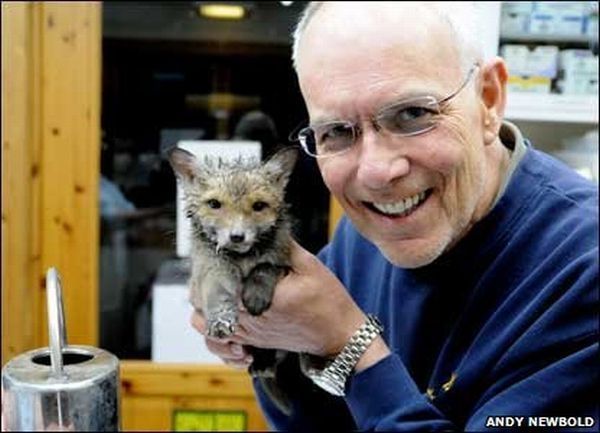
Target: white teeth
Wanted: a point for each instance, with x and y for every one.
(401, 206)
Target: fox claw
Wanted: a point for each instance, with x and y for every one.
(255, 303)
(220, 328)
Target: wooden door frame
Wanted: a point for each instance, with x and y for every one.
(51, 66)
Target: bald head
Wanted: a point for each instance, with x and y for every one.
(448, 23)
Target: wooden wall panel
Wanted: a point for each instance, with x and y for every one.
(50, 167)
(19, 289)
(150, 393)
(70, 158)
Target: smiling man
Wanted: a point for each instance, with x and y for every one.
(462, 284)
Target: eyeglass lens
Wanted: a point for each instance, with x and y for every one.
(406, 118)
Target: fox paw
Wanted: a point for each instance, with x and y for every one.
(220, 327)
(256, 301)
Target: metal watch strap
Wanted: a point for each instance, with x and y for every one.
(333, 377)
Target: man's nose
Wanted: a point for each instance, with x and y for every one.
(381, 160)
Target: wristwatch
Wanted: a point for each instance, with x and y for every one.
(334, 376)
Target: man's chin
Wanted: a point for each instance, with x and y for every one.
(410, 259)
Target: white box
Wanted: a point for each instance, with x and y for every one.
(513, 23)
(516, 57)
(558, 18)
(579, 72)
(560, 7)
(570, 25)
(581, 76)
(543, 61)
(542, 23)
(515, 17)
(173, 337)
(227, 150)
(517, 7)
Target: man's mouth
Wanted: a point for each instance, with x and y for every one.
(400, 208)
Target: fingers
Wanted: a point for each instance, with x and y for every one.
(198, 322)
(232, 354)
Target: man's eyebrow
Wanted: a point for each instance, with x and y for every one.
(324, 120)
(398, 99)
(410, 96)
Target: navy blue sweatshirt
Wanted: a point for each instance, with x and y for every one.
(504, 324)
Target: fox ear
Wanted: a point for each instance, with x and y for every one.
(279, 167)
(184, 164)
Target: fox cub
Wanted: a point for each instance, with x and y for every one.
(241, 236)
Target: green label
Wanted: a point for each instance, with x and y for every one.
(209, 420)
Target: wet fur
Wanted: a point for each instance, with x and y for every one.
(224, 271)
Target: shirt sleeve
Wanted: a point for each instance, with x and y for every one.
(384, 397)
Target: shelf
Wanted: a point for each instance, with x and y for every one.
(552, 108)
(528, 37)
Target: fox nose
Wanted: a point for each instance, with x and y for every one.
(236, 238)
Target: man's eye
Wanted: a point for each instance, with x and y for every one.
(338, 132)
(213, 203)
(409, 119)
(412, 113)
(259, 205)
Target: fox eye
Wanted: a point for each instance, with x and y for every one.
(213, 203)
(259, 205)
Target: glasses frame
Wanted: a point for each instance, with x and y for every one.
(356, 128)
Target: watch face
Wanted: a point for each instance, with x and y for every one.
(329, 384)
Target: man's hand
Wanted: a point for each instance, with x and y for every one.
(311, 312)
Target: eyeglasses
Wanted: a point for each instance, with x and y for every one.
(406, 118)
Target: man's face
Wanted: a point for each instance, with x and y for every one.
(413, 197)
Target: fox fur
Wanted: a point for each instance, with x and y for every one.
(241, 237)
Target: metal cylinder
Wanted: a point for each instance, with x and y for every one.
(84, 398)
(60, 387)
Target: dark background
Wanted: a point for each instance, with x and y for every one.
(156, 58)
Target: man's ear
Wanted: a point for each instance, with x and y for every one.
(184, 164)
(493, 97)
(279, 167)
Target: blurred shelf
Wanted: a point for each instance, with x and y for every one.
(529, 37)
(552, 108)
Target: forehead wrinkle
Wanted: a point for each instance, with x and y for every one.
(378, 95)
